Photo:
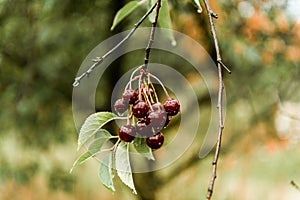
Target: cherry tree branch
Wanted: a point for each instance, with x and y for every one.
(212, 15)
(220, 65)
(151, 39)
(98, 60)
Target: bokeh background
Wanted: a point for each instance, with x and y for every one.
(42, 44)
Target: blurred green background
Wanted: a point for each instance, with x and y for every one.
(42, 44)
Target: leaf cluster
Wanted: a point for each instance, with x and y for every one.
(117, 157)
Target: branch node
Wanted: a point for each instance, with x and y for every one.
(76, 82)
(214, 15)
(224, 66)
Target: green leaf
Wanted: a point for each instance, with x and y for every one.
(123, 165)
(100, 138)
(106, 173)
(92, 125)
(197, 5)
(125, 11)
(164, 21)
(81, 159)
(141, 147)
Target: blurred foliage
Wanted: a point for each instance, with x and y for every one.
(42, 44)
(59, 180)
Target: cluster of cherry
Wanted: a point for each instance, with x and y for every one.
(150, 115)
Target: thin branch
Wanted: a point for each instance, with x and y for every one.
(212, 15)
(98, 60)
(151, 39)
(220, 64)
(295, 185)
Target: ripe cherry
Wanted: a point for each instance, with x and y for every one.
(156, 141)
(127, 133)
(157, 119)
(172, 107)
(120, 106)
(143, 129)
(140, 110)
(157, 106)
(130, 96)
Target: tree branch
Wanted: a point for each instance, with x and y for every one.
(212, 15)
(98, 60)
(151, 39)
(220, 64)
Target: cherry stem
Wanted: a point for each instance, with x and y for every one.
(113, 147)
(131, 76)
(153, 88)
(162, 85)
(147, 100)
(140, 89)
(131, 80)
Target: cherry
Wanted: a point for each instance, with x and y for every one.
(120, 106)
(157, 119)
(156, 141)
(130, 96)
(140, 110)
(172, 107)
(143, 129)
(127, 133)
(157, 106)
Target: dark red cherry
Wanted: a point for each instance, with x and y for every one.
(172, 107)
(156, 141)
(143, 129)
(130, 96)
(157, 106)
(120, 106)
(127, 133)
(157, 119)
(140, 110)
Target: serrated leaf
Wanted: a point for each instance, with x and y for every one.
(125, 11)
(92, 125)
(106, 173)
(141, 147)
(197, 5)
(100, 138)
(165, 21)
(123, 165)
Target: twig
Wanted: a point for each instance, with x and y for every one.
(151, 39)
(212, 15)
(295, 185)
(98, 60)
(220, 64)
